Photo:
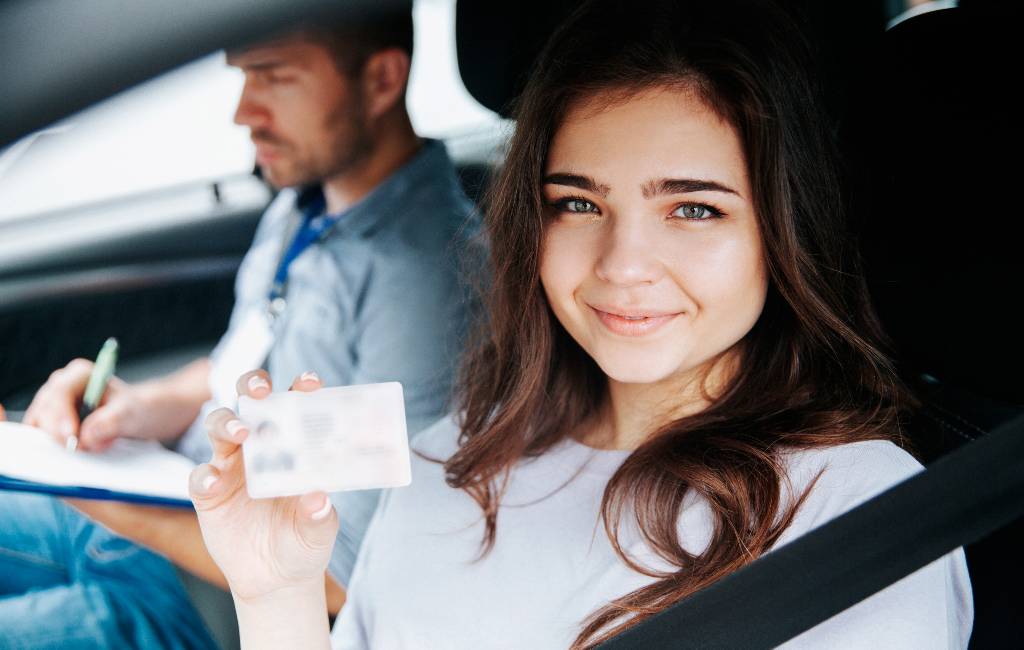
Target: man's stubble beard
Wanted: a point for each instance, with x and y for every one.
(349, 146)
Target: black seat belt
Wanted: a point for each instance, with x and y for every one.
(957, 500)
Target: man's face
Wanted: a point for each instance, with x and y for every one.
(306, 118)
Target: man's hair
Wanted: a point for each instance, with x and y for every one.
(353, 42)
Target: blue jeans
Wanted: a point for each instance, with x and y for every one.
(66, 582)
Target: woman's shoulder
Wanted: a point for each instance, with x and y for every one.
(866, 460)
(439, 441)
(841, 477)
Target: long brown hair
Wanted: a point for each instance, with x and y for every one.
(812, 372)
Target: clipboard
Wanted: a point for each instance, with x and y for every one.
(135, 471)
(79, 492)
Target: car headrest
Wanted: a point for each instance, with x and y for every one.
(942, 234)
(497, 42)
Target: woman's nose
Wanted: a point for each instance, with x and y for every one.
(628, 254)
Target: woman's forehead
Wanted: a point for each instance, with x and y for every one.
(657, 133)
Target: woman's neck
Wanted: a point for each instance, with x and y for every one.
(631, 412)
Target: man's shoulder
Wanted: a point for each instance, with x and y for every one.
(431, 195)
(426, 225)
(432, 213)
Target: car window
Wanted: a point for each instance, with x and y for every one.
(177, 129)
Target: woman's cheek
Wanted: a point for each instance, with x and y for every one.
(565, 262)
(718, 270)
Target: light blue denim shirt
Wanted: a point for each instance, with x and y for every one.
(382, 297)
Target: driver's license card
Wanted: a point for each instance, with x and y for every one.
(332, 439)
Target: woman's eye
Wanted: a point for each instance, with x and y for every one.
(577, 205)
(696, 212)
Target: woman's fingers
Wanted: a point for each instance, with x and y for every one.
(255, 384)
(208, 486)
(307, 382)
(226, 433)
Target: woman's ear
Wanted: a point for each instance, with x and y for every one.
(385, 76)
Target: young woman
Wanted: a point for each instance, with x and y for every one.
(680, 371)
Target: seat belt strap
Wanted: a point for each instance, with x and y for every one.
(959, 499)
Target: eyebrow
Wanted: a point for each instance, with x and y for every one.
(258, 66)
(576, 180)
(649, 189)
(662, 186)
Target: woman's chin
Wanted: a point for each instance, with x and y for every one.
(637, 370)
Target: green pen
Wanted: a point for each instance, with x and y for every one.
(102, 371)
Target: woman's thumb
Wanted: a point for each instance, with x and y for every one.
(317, 519)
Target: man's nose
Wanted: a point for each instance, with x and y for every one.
(628, 254)
(251, 112)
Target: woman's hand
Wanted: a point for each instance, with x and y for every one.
(265, 547)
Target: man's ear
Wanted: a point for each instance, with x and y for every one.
(385, 76)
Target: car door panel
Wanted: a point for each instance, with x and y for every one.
(162, 285)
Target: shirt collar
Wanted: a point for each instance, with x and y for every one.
(390, 194)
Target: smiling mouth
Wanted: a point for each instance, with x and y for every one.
(633, 322)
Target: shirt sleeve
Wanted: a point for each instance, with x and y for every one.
(931, 608)
(411, 332)
(411, 329)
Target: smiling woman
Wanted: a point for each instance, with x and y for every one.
(679, 348)
(674, 278)
(656, 266)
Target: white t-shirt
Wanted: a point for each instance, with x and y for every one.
(418, 583)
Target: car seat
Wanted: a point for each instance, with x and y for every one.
(940, 238)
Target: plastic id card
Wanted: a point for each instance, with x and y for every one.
(333, 439)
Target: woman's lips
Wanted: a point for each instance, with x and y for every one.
(633, 323)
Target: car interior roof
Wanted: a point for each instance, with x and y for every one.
(53, 68)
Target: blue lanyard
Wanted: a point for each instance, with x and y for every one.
(315, 224)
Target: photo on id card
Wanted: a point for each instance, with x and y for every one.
(332, 439)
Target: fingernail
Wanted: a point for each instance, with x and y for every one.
(309, 375)
(256, 382)
(323, 512)
(67, 429)
(208, 482)
(234, 427)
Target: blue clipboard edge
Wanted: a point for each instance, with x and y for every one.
(17, 485)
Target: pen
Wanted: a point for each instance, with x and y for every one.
(102, 370)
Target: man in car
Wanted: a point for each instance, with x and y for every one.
(353, 272)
